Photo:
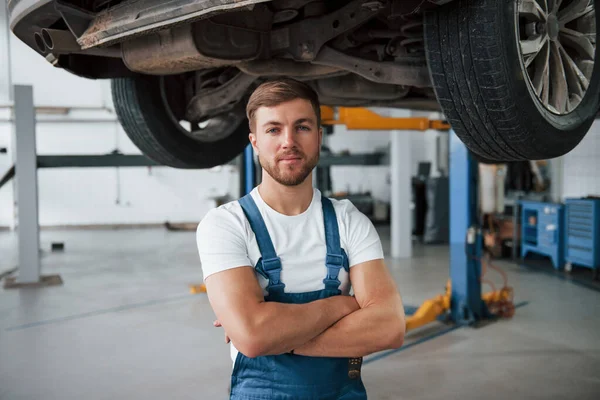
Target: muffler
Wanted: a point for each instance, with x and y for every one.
(191, 47)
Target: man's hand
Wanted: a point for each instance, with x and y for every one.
(217, 324)
(378, 325)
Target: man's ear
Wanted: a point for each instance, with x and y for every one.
(252, 138)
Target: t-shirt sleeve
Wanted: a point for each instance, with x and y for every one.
(221, 242)
(363, 243)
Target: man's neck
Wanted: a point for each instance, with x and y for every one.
(286, 200)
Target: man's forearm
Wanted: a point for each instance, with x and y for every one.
(277, 328)
(361, 333)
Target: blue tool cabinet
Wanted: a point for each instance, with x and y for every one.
(542, 230)
(582, 233)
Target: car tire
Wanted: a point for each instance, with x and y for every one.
(149, 123)
(474, 51)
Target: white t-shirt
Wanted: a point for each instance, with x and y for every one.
(225, 240)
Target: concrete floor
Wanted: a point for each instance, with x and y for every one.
(123, 326)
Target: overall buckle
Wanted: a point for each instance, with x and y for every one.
(271, 264)
(354, 367)
(334, 260)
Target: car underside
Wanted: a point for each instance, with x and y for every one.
(351, 56)
(200, 60)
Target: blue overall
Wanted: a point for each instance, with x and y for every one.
(290, 376)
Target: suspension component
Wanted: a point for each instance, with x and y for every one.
(413, 41)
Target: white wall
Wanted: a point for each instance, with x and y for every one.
(76, 196)
(581, 166)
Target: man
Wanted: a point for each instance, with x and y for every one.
(278, 265)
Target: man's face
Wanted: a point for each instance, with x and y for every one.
(287, 140)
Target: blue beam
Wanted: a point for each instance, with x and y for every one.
(465, 236)
(250, 169)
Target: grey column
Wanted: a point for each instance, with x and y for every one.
(26, 181)
(557, 178)
(401, 193)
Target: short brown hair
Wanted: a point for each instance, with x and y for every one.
(281, 90)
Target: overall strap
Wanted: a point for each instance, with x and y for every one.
(269, 262)
(334, 260)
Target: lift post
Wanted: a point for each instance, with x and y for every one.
(25, 172)
(463, 300)
(465, 236)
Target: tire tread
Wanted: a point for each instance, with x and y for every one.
(146, 123)
(472, 78)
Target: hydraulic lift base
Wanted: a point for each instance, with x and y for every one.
(45, 280)
(439, 306)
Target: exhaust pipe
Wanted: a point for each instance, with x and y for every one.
(39, 42)
(57, 42)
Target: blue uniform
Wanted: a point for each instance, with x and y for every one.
(290, 376)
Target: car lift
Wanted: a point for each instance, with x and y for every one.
(462, 302)
(27, 162)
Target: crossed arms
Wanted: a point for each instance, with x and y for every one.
(339, 326)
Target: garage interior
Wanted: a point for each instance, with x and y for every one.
(122, 313)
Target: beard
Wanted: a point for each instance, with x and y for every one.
(290, 175)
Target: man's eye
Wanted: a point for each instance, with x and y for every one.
(272, 130)
(304, 128)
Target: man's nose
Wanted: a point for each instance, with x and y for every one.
(289, 139)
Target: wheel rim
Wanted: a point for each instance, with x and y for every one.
(557, 43)
(208, 131)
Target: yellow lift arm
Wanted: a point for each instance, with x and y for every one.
(433, 308)
(358, 118)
